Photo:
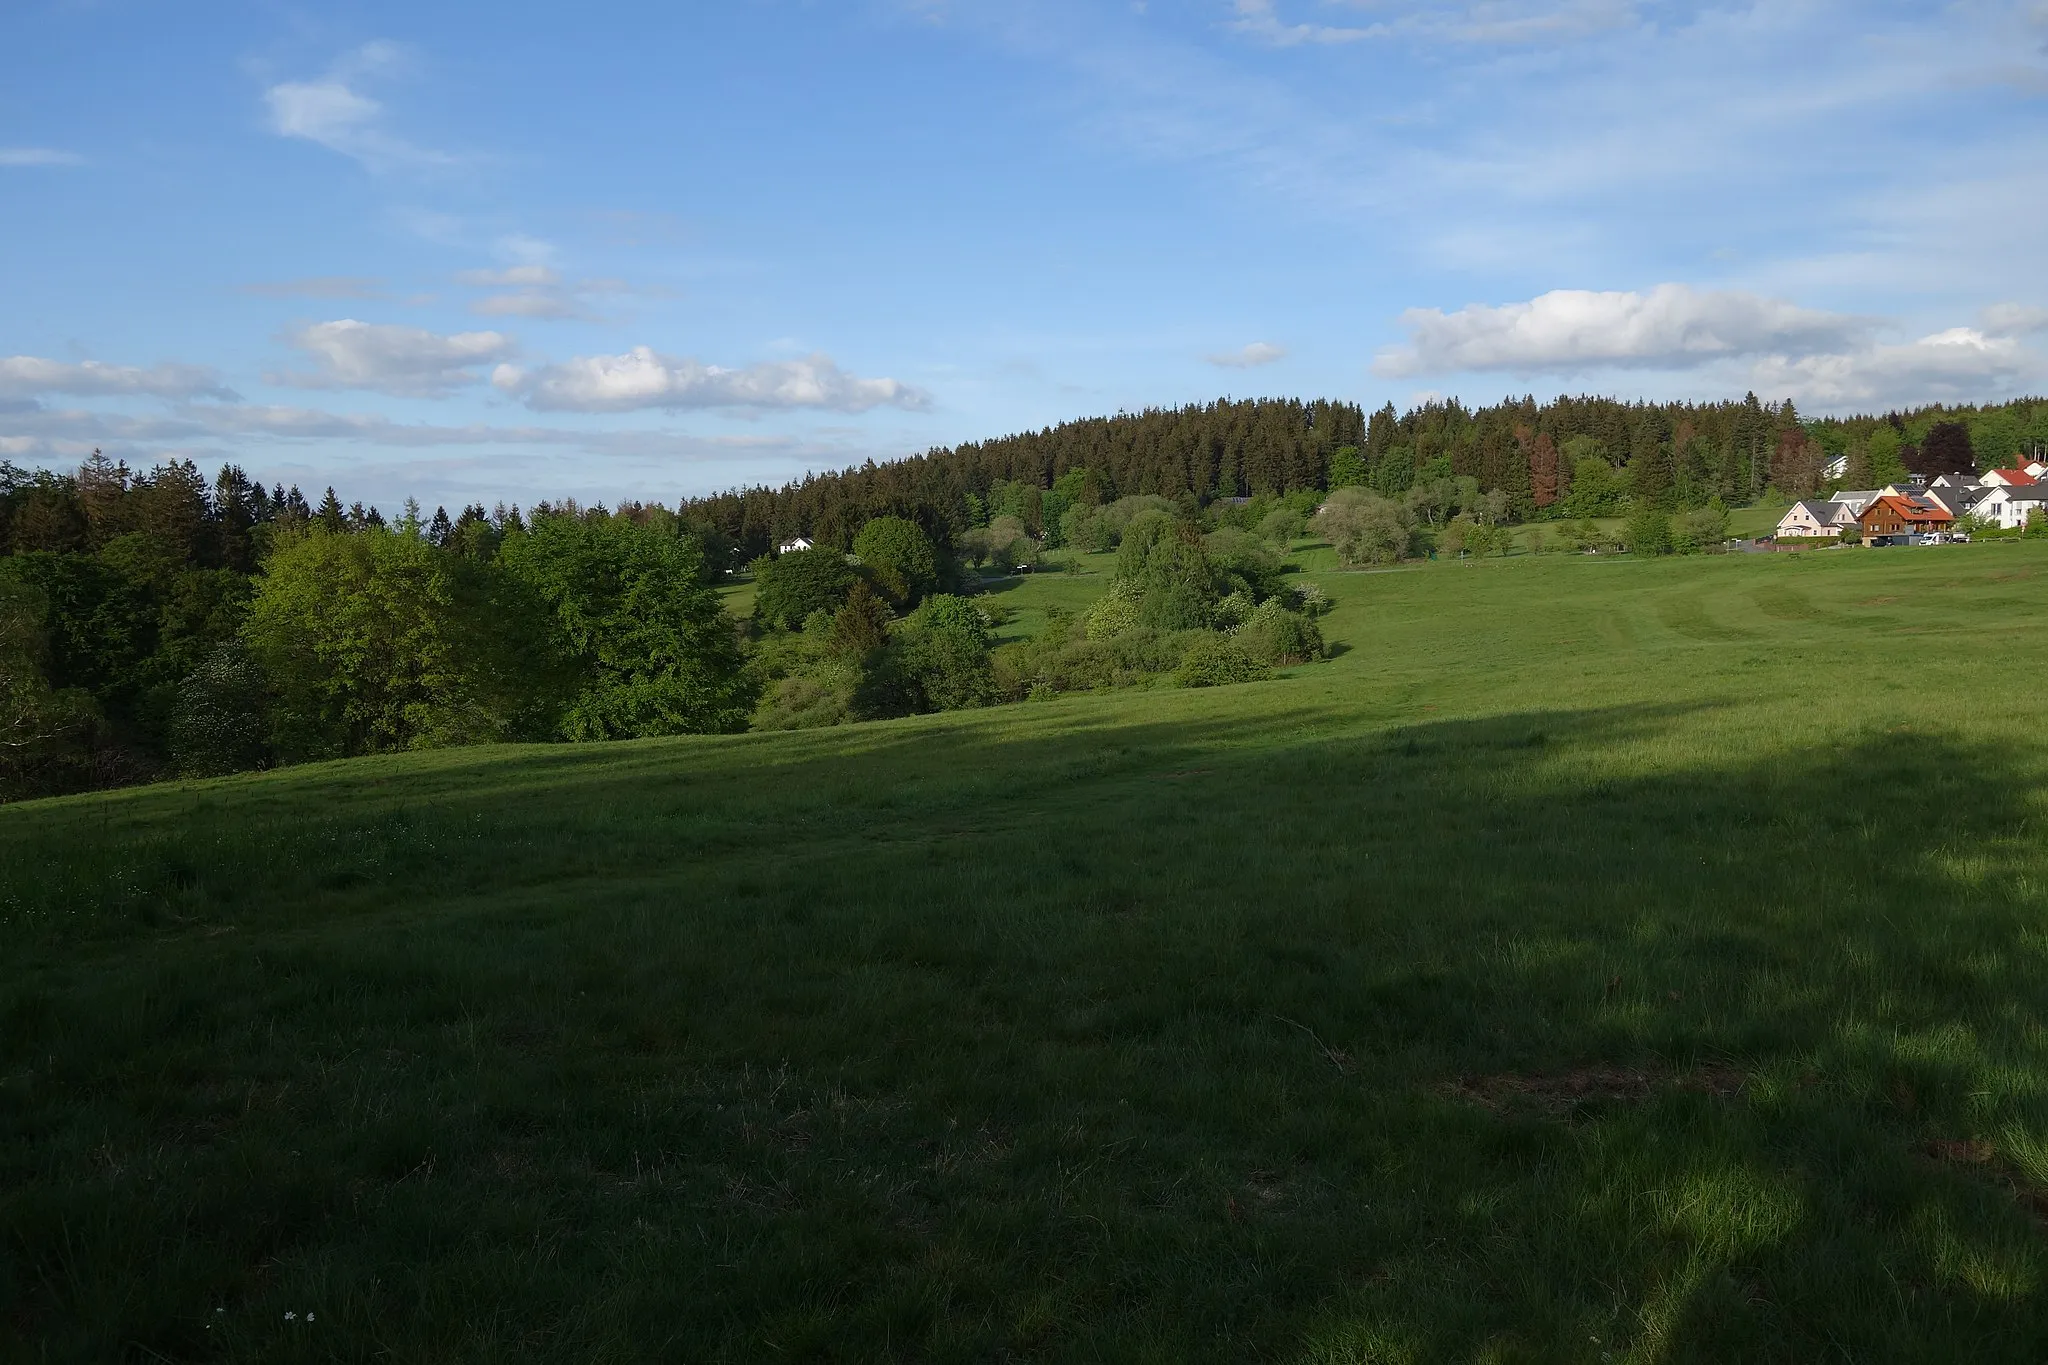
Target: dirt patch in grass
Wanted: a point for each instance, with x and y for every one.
(1560, 1094)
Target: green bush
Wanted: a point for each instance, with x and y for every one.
(792, 586)
(1366, 528)
(1278, 637)
(1215, 661)
(1649, 532)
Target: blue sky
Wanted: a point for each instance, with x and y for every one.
(470, 252)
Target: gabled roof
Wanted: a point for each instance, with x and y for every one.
(1820, 511)
(2018, 478)
(1910, 509)
(2033, 492)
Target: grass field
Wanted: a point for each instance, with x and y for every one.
(1596, 960)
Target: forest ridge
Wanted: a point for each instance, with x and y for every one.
(1673, 455)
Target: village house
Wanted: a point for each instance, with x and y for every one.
(1810, 519)
(2009, 478)
(793, 544)
(2008, 507)
(1961, 499)
(1894, 515)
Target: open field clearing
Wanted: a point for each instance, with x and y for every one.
(1594, 960)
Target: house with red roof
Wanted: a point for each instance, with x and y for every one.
(2009, 478)
(1898, 515)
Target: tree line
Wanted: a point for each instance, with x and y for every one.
(1568, 458)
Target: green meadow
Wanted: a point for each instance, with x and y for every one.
(1594, 960)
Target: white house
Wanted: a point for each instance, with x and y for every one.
(2010, 478)
(1856, 499)
(1835, 468)
(2009, 507)
(1811, 519)
(792, 545)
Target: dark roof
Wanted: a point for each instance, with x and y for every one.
(2032, 492)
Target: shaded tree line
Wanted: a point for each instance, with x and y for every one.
(160, 623)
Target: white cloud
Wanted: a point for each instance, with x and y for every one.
(1485, 21)
(643, 378)
(1251, 357)
(1260, 19)
(25, 376)
(2014, 319)
(527, 303)
(1567, 330)
(393, 359)
(513, 277)
(332, 112)
(1960, 364)
(38, 156)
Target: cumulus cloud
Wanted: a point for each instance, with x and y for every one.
(332, 111)
(26, 376)
(38, 156)
(1251, 357)
(1671, 327)
(1961, 363)
(643, 378)
(409, 361)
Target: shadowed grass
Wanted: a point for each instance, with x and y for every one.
(1594, 961)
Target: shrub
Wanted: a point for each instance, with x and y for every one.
(1216, 661)
(1649, 532)
(804, 681)
(1115, 612)
(1244, 563)
(939, 661)
(1366, 529)
(220, 722)
(1278, 637)
(1699, 528)
(789, 588)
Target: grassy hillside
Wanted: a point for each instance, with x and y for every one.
(1596, 960)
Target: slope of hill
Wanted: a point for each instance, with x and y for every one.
(1594, 960)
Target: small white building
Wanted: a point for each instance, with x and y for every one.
(792, 545)
(2009, 478)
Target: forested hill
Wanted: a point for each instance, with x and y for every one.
(1675, 454)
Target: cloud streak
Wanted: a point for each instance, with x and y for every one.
(334, 113)
(27, 376)
(1250, 357)
(643, 379)
(1568, 330)
(39, 156)
(404, 361)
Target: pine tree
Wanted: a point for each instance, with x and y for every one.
(331, 518)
